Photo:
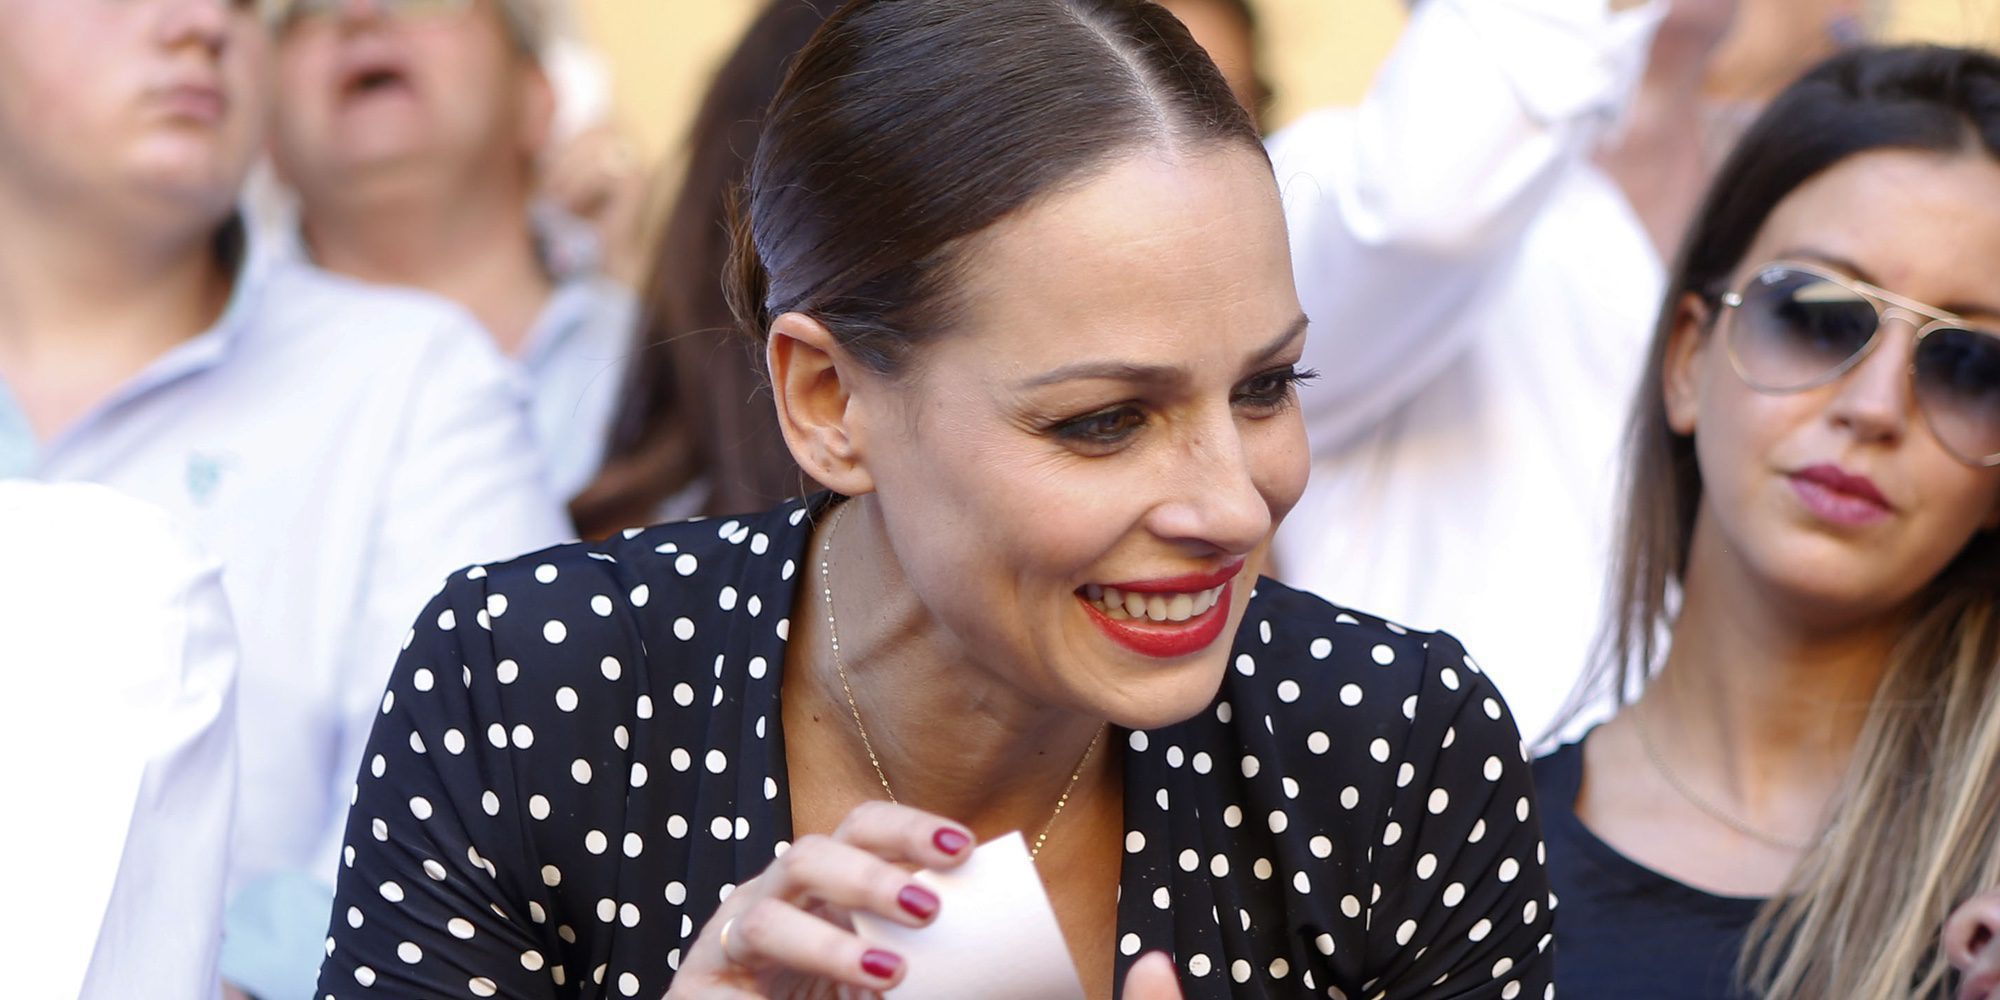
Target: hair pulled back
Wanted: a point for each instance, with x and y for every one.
(907, 126)
(1917, 826)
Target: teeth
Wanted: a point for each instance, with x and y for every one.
(1125, 606)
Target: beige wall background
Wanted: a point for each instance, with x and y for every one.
(1318, 52)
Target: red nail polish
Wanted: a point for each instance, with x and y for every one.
(881, 964)
(950, 841)
(918, 902)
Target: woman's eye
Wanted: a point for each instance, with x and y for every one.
(1103, 428)
(1272, 390)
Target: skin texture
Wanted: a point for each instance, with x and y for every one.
(1789, 618)
(1972, 941)
(974, 663)
(125, 131)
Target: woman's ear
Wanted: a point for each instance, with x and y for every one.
(812, 380)
(1680, 384)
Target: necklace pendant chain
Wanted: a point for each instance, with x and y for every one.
(1712, 811)
(854, 708)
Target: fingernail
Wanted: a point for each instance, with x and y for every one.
(881, 964)
(918, 902)
(950, 841)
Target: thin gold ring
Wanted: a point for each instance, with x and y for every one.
(723, 938)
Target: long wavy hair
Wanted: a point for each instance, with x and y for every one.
(1916, 828)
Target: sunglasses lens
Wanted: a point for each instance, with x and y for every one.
(1794, 328)
(1958, 384)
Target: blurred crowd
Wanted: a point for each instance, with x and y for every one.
(306, 304)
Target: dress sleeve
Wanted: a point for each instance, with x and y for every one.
(1461, 895)
(427, 902)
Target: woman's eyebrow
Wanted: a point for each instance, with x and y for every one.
(1135, 371)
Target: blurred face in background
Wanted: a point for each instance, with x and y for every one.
(147, 106)
(435, 94)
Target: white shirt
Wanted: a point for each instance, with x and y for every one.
(1481, 298)
(119, 733)
(340, 448)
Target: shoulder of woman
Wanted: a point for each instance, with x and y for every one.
(669, 593)
(1297, 649)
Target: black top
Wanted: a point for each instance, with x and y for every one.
(580, 754)
(1625, 930)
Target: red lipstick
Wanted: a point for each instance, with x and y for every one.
(1840, 497)
(1169, 639)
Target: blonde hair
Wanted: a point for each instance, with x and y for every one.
(1915, 827)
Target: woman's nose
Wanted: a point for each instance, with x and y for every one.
(1972, 943)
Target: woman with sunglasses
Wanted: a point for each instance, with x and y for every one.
(1804, 776)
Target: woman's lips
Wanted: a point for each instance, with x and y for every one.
(1166, 617)
(1838, 497)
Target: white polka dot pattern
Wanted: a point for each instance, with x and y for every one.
(632, 774)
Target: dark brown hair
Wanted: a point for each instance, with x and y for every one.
(1917, 824)
(694, 405)
(908, 126)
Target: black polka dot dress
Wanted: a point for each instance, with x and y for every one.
(579, 757)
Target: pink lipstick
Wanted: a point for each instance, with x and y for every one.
(1840, 497)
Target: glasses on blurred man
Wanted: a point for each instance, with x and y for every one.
(291, 11)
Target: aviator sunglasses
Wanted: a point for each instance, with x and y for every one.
(1800, 326)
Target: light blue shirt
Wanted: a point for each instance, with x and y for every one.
(575, 362)
(572, 364)
(340, 448)
(17, 440)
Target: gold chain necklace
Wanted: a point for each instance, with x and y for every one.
(1714, 812)
(833, 634)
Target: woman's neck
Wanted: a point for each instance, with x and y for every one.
(950, 738)
(1764, 700)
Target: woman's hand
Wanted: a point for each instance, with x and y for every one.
(1972, 942)
(1152, 978)
(785, 935)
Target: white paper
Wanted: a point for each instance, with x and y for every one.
(995, 936)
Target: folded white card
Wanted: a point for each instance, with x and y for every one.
(995, 936)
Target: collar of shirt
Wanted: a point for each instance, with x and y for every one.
(567, 247)
(21, 454)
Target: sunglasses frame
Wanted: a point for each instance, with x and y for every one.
(1888, 305)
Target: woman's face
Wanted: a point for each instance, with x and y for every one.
(1112, 419)
(1783, 475)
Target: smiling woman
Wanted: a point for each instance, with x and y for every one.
(1020, 276)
